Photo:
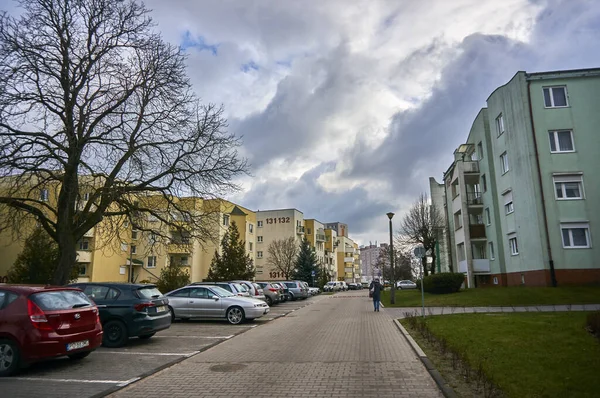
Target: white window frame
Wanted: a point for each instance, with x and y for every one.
(259, 254)
(484, 183)
(84, 245)
(44, 195)
(488, 217)
(513, 244)
(225, 220)
(573, 225)
(250, 246)
(134, 234)
(151, 262)
(259, 239)
(458, 221)
(504, 163)
(251, 228)
(509, 207)
(124, 246)
(84, 268)
(491, 248)
(133, 249)
(259, 224)
(553, 138)
(500, 128)
(551, 91)
(563, 179)
(86, 196)
(480, 150)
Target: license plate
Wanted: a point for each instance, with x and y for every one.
(266, 311)
(77, 345)
(162, 308)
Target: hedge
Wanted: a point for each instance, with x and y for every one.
(443, 283)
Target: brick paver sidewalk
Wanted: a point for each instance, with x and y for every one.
(336, 347)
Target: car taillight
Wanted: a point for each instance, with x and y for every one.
(273, 289)
(37, 316)
(256, 292)
(142, 306)
(95, 311)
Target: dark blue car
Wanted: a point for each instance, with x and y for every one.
(128, 310)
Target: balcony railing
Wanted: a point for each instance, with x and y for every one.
(471, 167)
(477, 231)
(300, 230)
(321, 238)
(474, 198)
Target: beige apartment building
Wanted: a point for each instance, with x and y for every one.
(272, 225)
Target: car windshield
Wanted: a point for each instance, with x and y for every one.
(149, 292)
(219, 291)
(61, 300)
(240, 287)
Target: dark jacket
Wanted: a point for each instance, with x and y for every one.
(377, 288)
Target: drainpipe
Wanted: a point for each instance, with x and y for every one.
(539, 173)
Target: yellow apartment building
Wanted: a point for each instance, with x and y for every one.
(315, 234)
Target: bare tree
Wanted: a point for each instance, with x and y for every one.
(422, 225)
(402, 267)
(97, 111)
(282, 256)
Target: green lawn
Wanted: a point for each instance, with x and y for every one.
(527, 355)
(505, 296)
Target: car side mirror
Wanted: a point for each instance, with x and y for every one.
(216, 298)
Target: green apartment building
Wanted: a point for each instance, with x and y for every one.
(522, 197)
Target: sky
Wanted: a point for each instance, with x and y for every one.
(347, 107)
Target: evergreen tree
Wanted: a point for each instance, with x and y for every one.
(323, 276)
(306, 263)
(173, 277)
(38, 261)
(233, 262)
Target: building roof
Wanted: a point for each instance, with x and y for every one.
(237, 212)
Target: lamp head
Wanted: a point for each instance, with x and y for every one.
(390, 215)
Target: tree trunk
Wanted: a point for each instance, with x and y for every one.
(433, 258)
(67, 247)
(424, 265)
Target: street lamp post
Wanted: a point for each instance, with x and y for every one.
(393, 276)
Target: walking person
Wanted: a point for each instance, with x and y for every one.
(376, 289)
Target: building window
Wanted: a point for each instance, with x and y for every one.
(259, 239)
(460, 252)
(44, 195)
(184, 260)
(124, 246)
(488, 219)
(561, 141)
(568, 187)
(500, 125)
(250, 246)
(82, 270)
(484, 183)
(458, 220)
(308, 231)
(495, 280)
(133, 249)
(508, 202)
(575, 235)
(225, 220)
(251, 228)
(259, 224)
(514, 246)
(492, 254)
(122, 270)
(151, 262)
(504, 162)
(259, 254)
(84, 245)
(480, 151)
(555, 97)
(86, 196)
(134, 235)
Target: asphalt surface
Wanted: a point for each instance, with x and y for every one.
(108, 369)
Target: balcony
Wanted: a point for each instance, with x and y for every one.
(182, 246)
(481, 265)
(300, 230)
(474, 199)
(477, 231)
(321, 238)
(349, 259)
(471, 167)
(84, 256)
(349, 269)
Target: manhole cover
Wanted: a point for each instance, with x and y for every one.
(228, 367)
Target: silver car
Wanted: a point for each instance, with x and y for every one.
(210, 301)
(406, 285)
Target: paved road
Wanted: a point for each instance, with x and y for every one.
(109, 368)
(336, 347)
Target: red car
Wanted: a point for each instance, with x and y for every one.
(39, 322)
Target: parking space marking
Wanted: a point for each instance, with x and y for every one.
(163, 354)
(118, 382)
(194, 337)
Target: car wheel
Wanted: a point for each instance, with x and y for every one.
(80, 355)
(292, 298)
(9, 357)
(235, 315)
(269, 301)
(115, 334)
(146, 336)
(172, 314)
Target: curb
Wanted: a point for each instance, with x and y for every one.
(439, 380)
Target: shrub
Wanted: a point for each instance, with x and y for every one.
(173, 277)
(593, 323)
(443, 283)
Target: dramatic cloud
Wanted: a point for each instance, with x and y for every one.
(347, 107)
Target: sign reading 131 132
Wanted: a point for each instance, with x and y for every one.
(278, 220)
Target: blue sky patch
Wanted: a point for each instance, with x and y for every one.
(249, 66)
(199, 43)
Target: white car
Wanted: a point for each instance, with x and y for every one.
(406, 285)
(210, 301)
